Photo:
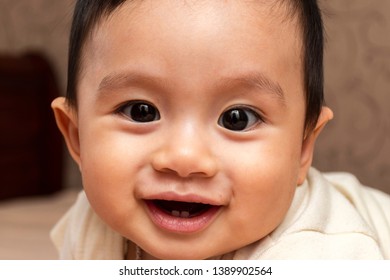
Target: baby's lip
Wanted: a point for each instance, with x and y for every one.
(181, 213)
(191, 198)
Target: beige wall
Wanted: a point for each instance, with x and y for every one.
(357, 76)
(42, 25)
(357, 88)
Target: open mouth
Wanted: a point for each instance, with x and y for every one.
(181, 217)
(181, 209)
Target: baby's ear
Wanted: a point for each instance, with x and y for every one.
(66, 118)
(309, 143)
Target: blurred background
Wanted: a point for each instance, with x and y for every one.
(33, 61)
(357, 88)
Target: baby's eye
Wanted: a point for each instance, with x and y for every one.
(239, 119)
(140, 111)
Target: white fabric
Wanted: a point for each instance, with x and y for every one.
(332, 217)
(81, 235)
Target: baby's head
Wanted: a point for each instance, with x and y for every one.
(192, 122)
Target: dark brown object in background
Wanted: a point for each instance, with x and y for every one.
(30, 144)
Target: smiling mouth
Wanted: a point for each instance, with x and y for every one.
(181, 209)
(181, 217)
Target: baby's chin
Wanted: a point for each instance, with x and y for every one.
(194, 247)
(177, 255)
(180, 253)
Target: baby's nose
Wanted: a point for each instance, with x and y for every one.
(186, 153)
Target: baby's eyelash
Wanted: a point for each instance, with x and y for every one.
(240, 118)
(139, 111)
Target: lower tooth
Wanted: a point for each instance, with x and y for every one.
(184, 214)
(175, 213)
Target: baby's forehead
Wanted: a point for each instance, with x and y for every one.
(278, 11)
(281, 13)
(224, 38)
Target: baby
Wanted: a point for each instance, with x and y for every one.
(193, 124)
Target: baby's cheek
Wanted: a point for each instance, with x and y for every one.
(262, 203)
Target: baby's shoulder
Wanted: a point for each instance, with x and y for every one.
(332, 216)
(372, 205)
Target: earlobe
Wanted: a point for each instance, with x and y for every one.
(309, 143)
(66, 119)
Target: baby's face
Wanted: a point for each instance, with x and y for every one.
(190, 122)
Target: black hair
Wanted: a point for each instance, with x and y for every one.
(88, 13)
(313, 39)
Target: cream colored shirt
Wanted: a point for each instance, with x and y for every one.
(332, 216)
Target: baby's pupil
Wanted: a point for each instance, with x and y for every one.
(141, 112)
(235, 119)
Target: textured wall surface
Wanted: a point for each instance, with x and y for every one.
(357, 76)
(40, 25)
(357, 88)
(37, 24)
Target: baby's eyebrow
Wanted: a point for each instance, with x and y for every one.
(249, 80)
(255, 80)
(121, 80)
